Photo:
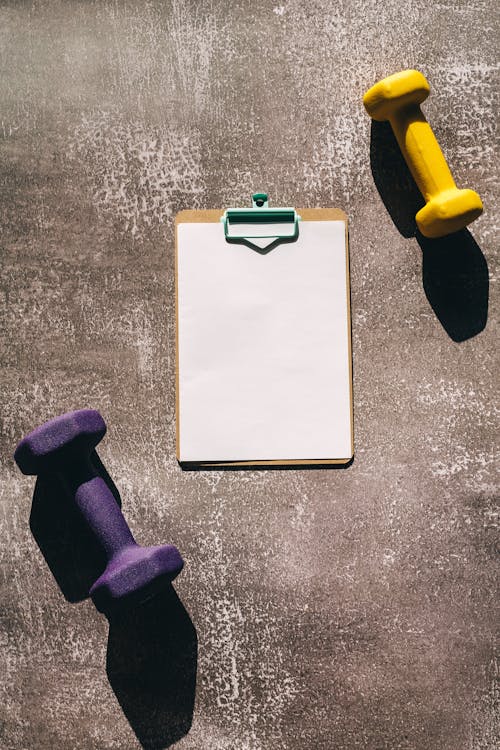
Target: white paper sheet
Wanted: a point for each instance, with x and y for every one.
(263, 347)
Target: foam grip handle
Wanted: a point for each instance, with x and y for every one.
(98, 506)
(422, 152)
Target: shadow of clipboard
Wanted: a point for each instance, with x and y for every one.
(263, 339)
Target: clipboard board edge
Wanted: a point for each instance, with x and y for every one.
(201, 216)
(316, 463)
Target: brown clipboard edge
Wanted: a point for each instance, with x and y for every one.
(307, 214)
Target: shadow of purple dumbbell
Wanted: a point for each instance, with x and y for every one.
(64, 446)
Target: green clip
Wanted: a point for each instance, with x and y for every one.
(260, 213)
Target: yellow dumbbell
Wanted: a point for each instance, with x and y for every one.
(397, 99)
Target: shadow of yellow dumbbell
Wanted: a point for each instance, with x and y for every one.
(397, 99)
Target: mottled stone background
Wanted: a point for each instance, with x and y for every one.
(335, 610)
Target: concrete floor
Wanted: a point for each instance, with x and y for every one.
(334, 610)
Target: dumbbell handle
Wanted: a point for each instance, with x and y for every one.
(421, 151)
(99, 508)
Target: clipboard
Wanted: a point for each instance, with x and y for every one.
(263, 338)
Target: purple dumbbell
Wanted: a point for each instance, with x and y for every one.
(63, 446)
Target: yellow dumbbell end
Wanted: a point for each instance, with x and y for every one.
(395, 92)
(449, 212)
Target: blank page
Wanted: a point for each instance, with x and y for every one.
(263, 347)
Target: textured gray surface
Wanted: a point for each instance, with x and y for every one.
(342, 609)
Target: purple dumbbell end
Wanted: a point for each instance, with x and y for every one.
(135, 575)
(44, 448)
